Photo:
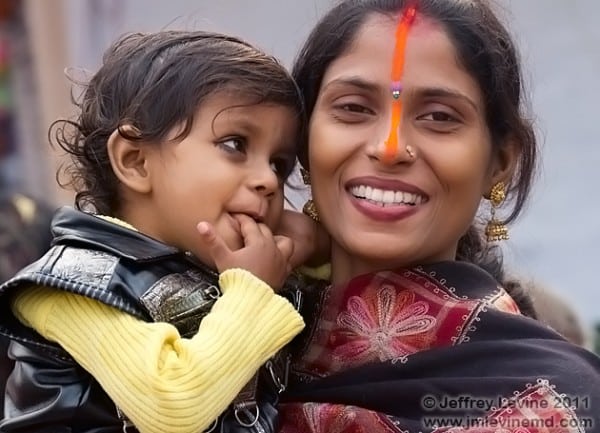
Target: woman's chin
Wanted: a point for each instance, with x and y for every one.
(381, 249)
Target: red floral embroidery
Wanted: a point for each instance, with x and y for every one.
(331, 418)
(538, 409)
(386, 317)
(382, 327)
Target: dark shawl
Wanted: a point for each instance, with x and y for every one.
(441, 345)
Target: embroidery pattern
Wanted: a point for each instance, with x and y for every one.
(382, 326)
(386, 316)
(332, 418)
(537, 409)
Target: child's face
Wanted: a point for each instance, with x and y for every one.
(234, 161)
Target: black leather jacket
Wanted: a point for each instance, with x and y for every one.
(48, 391)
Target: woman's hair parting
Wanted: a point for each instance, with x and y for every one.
(486, 51)
(148, 85)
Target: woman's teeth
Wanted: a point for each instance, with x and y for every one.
(384, 197)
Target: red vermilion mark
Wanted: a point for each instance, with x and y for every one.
(404, 23)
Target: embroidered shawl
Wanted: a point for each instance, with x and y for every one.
(441, 348)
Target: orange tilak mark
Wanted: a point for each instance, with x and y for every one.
(407, 19)
(391, 144)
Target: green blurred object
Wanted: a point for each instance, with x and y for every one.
(5, 94)
(596, 347)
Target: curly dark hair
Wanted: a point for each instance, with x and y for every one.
(152, 83)
(488, 53)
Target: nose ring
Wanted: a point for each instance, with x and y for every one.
(410, 151)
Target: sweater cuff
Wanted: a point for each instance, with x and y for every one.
(241, 278)
(256, 305)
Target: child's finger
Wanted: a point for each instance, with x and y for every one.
(265, 231)
(215, 244)
(248, 228)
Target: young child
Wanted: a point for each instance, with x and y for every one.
(181, 149)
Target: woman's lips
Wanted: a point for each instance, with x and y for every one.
(385, 199)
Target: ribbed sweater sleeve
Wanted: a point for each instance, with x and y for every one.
(161, 381)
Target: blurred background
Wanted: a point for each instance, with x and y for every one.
(556, 243)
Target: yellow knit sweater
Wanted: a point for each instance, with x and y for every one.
(161, 381)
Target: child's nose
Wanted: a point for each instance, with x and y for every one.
(265, 181)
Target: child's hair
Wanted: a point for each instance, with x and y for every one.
(153, 83)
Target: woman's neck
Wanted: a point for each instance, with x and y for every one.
(346, 265)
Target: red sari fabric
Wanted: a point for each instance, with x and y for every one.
(434, 349)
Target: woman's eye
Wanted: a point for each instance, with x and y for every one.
(355, 108)
(440, 121)
(234, 144)
(438, 116)
(351, 113)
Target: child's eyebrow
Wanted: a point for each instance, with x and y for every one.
(243, 122)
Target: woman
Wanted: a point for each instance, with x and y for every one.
(415, 118)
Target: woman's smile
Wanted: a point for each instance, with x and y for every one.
(384, 199)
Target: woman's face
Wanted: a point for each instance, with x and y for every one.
(393, 212)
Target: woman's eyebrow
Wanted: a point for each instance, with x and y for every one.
(443, 92)
(353, 81)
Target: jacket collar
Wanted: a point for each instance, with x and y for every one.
(70, 226)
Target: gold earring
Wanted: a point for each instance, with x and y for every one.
(309, 207)
(496, 230)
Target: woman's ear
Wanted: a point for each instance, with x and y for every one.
(504, 164)
(129, 161)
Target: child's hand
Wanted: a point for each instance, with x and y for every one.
(264, 255)
(312, 243)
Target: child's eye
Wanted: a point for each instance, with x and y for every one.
(233, 145)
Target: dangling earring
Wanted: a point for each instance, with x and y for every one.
(495, 229)
(309, 207)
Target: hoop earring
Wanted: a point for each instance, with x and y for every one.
(496, 230)
(309, 208)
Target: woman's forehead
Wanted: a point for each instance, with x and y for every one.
(430, 57)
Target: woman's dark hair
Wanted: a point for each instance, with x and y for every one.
(486, 51)
(152, 83)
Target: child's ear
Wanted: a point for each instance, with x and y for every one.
(129, 161)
